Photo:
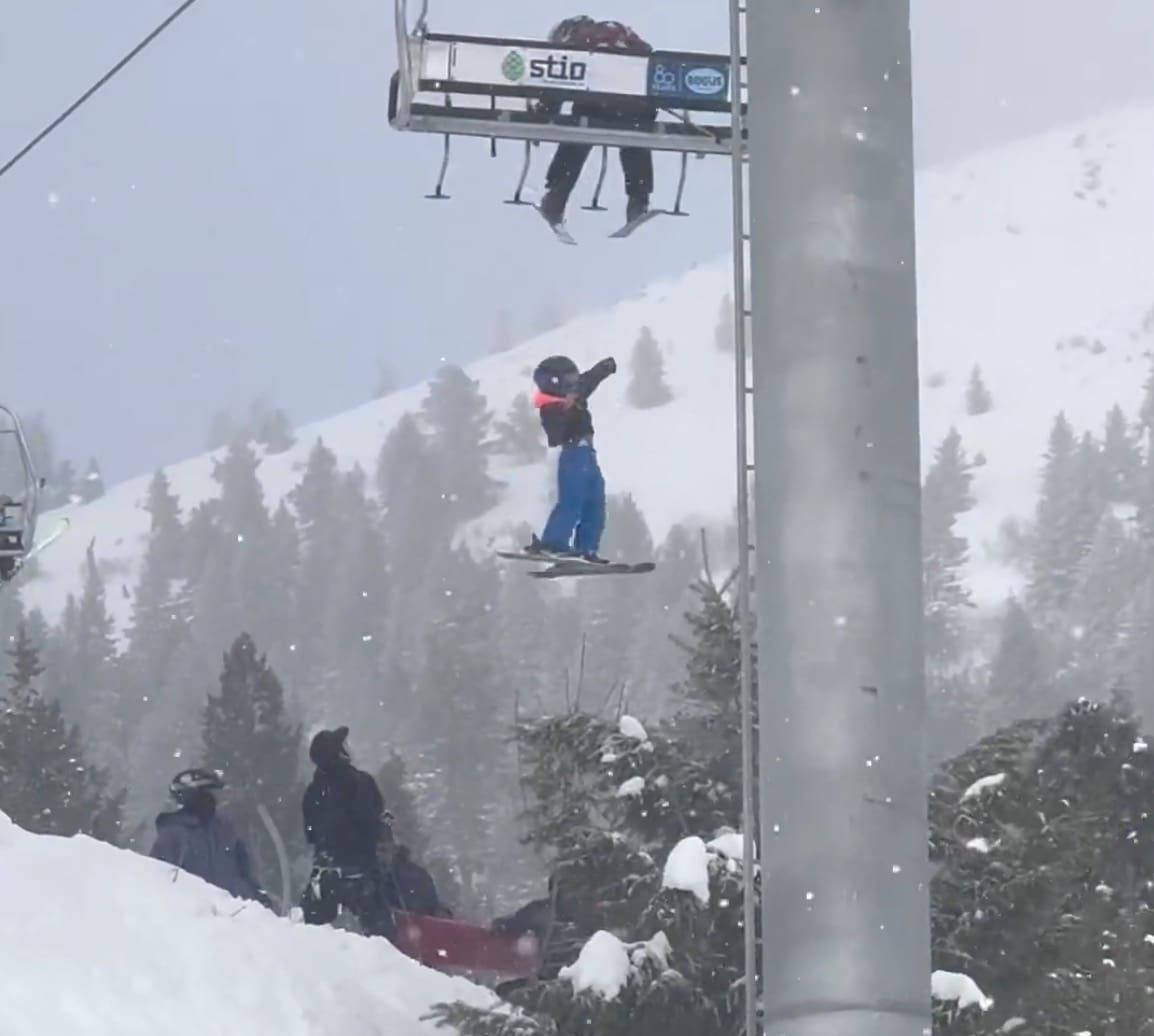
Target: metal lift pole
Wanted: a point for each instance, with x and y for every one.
(838, 579)
(744, 541)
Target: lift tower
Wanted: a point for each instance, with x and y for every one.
(845, 909)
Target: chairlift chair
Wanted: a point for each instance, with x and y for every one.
(479, 86)
(17, 513)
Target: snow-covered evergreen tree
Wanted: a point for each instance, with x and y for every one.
(647, 385)
(1043, 841)
(639, 830)
(46, 783)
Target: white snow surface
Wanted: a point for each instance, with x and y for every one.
(631, 727)
(982, 785)
(98, 940)
(731, 845)
(953, 985)
(1034, 262)
(602, 966)
(631, 788)
(687, 868)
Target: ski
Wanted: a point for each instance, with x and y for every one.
(61, 528)
(561, 569)
(559, 230)
(632, 225)
(541, 559)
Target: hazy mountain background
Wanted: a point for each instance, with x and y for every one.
(233, 217)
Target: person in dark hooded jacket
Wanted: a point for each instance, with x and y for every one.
(569, 158)
(410, 886)
(198, 839)
(344, 820)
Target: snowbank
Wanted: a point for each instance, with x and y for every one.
(97, 940)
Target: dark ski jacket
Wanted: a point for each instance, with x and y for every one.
(343, 816)
(568, 422)
(583, 31)
(412, 888)
(208, 847)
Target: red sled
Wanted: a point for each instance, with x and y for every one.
(461, 947)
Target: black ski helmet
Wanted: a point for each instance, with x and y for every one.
(328, 747)
(188, 782)
(556, 376)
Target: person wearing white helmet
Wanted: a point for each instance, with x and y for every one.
(198, 839)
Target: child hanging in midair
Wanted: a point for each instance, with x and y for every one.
(577, 521)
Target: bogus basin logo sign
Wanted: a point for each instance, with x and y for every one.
(705, 81)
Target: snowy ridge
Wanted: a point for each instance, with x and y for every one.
(1034, 263)
(98, 940)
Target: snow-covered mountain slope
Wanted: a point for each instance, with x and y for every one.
(98, 940)
(1035, 262)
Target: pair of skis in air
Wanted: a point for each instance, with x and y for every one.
(565, 237)
(561, 566)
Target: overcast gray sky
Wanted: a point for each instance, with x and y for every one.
(233, 216)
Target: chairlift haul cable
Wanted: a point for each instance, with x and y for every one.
(95, 87)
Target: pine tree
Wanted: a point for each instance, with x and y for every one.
(386, 383)
(1121, 459)
(1041, 893)
(457, 417)
(273, 430)
(1100, 606)
(417, 530)
(647, 386)
(1066, 516)
(1021, 671)
(46, 784)
(610, 613)
(466, 710)
(710, 692)
(249, 737)
(978, 398)
(610, 807)
(392, 779)
(518, 435)
(945, 497)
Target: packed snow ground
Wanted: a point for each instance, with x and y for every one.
(1034, 263)
(98, 940)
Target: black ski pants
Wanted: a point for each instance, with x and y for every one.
(569, 159)
(359, 890)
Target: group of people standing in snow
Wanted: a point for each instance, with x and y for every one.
(357, 865)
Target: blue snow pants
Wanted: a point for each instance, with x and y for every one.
(578, 519)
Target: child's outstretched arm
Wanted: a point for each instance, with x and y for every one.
(588, 381)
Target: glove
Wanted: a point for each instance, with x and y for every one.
(609, 364)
